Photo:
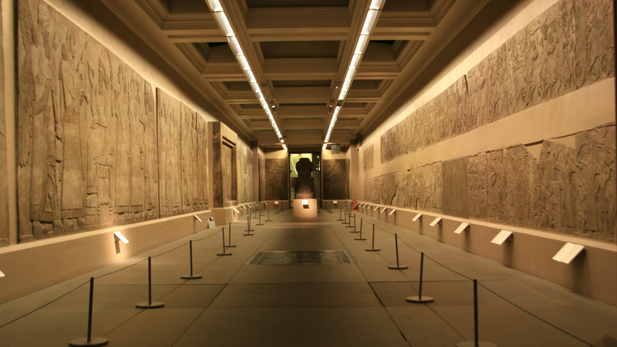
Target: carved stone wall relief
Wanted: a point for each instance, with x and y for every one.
(368, 158)
(277, 178)
(335, 177)
(4, 198)
(569, 46)
(86, 131)
(262, 176)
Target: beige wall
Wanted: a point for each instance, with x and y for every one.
(559, 119)
(70, 255)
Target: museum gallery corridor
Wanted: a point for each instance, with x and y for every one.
(351, 299)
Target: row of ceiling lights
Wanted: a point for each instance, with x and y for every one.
(363, 39)
(225, 25)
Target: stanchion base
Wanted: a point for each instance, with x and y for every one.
(373, 249)
(418, 300)
(189, 277)
(94, 341)
(398, 267)
(223, 254)
(349, 226)
(231, 246)
(360, 239)
(473, 344)
(248, 234)
(268, 220)
(259, 224)
(153, 304)
(354, 232)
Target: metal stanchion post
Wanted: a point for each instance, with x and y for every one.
(150, 304)
(476, 342)
(191, 276)
(224, 248)
(340, 218)
(88, 340)
(354, 227)
(229, 245)
(372, 249)
(420, 299)
(398, 266)
(248, 227)
(267, 212)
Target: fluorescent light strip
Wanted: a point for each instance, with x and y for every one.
(367, 29)
(236, 48)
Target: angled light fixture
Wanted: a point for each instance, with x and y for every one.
(2, 274)
(119, 237)
(236, 48)
(199, 219)
(367, 28)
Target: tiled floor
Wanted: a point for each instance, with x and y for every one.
(357, 304)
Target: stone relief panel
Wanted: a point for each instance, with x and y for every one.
(4, 193)
(443, 117)
(246, 175)
(575, 187)
(419, 188)
(368, 158)
(84, 161)
(262, 176)
(455, 187)
(568, 189)
(595, 50)
(335, 179)
(277, 178)
(567, 47)
(170, 154)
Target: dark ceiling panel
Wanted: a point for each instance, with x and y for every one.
(301, 49)
(297, 3)
(299, 83)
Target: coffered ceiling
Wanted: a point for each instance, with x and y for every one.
(299, 51)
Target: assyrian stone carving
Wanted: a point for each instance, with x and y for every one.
(277, 179)
(368, 158)
(335, 179)
(262, 176)
(193, 148)
(91, 135)
(246, 176)
(418, 188)
(82, 159)
(305, 186)
(225, 178)
(4, 198)
(569, 46)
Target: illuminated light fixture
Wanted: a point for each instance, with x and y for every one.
(323, 148)
(284, 147)
(119, 237)
(2, 274)
(305, 204)
(221, 18)
(196, 217)
(367, 28)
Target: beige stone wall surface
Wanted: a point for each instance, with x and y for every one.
(335, 179)
(262, 175)
(564, 184)
(183, 156)
(95, 147)
(4, 193)
(245, 178)
(276, 179)
(368, 159)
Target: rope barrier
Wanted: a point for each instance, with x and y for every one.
(44, 305)
(533, 315)
(482, 285)
(101, 276)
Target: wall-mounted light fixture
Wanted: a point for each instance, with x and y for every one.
(2, 274)
(119, 237)
(199, 219)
